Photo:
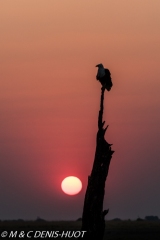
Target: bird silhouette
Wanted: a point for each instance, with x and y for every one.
(104, 77)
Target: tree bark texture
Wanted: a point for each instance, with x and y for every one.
(93, 214)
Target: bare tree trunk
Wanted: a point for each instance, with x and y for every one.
(93, 215)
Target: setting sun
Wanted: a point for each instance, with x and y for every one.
(71, 185)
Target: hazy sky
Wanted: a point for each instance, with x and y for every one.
(49, 102)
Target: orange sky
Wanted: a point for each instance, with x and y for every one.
(50, 100)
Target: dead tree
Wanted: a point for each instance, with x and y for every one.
(93, 218)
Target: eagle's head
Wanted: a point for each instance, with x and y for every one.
(100, 65)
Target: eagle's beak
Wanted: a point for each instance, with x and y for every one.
(97, 65)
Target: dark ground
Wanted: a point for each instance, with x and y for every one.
(115, 230)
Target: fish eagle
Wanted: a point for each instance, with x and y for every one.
(104, 77)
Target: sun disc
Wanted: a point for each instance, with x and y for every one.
(71, 185)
